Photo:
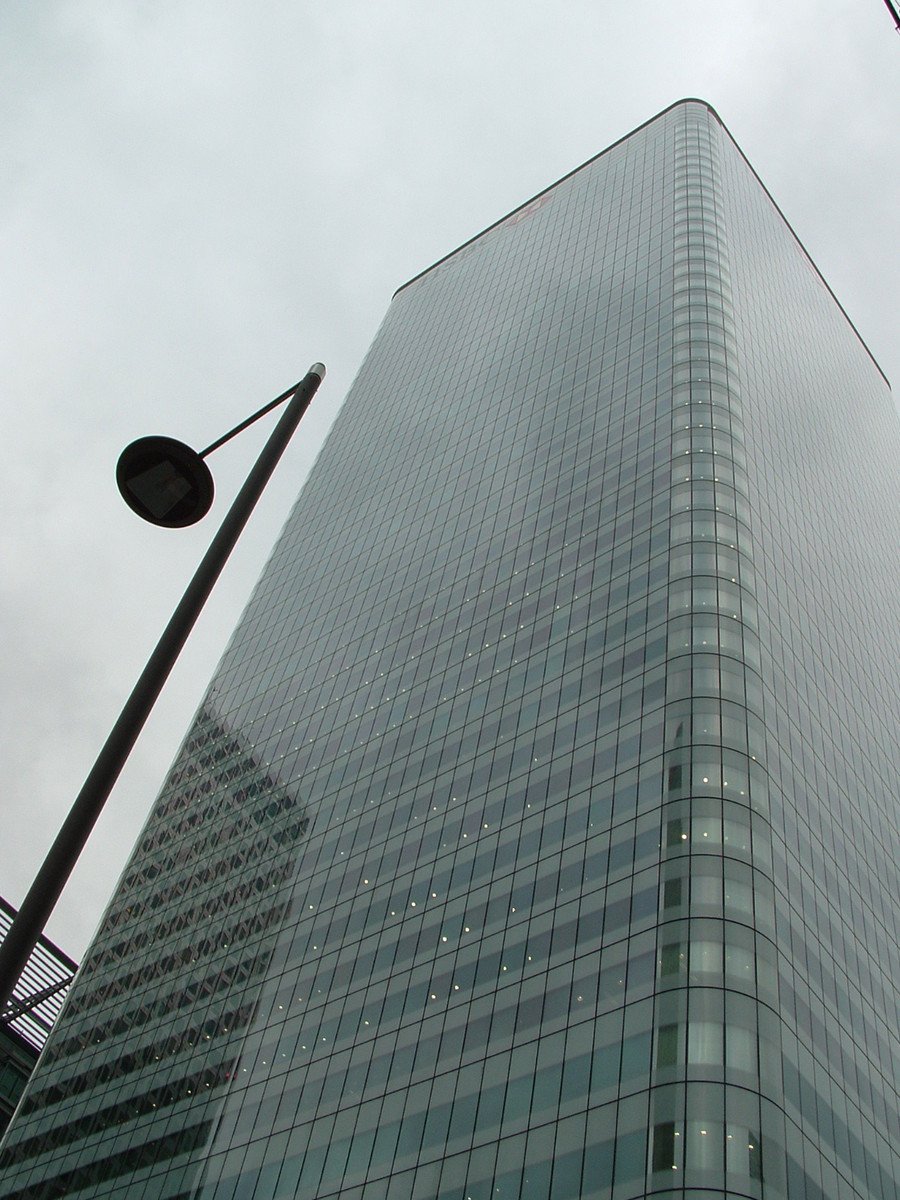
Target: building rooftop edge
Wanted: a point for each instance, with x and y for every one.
(806, 253)
(556, 182)
(612, 146)
(43, 941)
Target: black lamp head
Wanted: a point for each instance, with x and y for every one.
(165, 482)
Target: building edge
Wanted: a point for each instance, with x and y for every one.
(685, 100)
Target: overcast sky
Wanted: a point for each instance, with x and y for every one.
(199, 199)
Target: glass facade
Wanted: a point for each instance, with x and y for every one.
(24, 1026)
(538, 834)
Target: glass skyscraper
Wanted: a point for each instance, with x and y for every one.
(538, 833)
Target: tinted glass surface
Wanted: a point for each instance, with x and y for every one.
(538, 833)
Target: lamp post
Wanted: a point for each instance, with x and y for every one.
(169, 484)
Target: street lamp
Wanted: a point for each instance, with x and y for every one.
(167, 483)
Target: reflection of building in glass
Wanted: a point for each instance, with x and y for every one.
(27, 1021)
(579, 650)
(146, 1045)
